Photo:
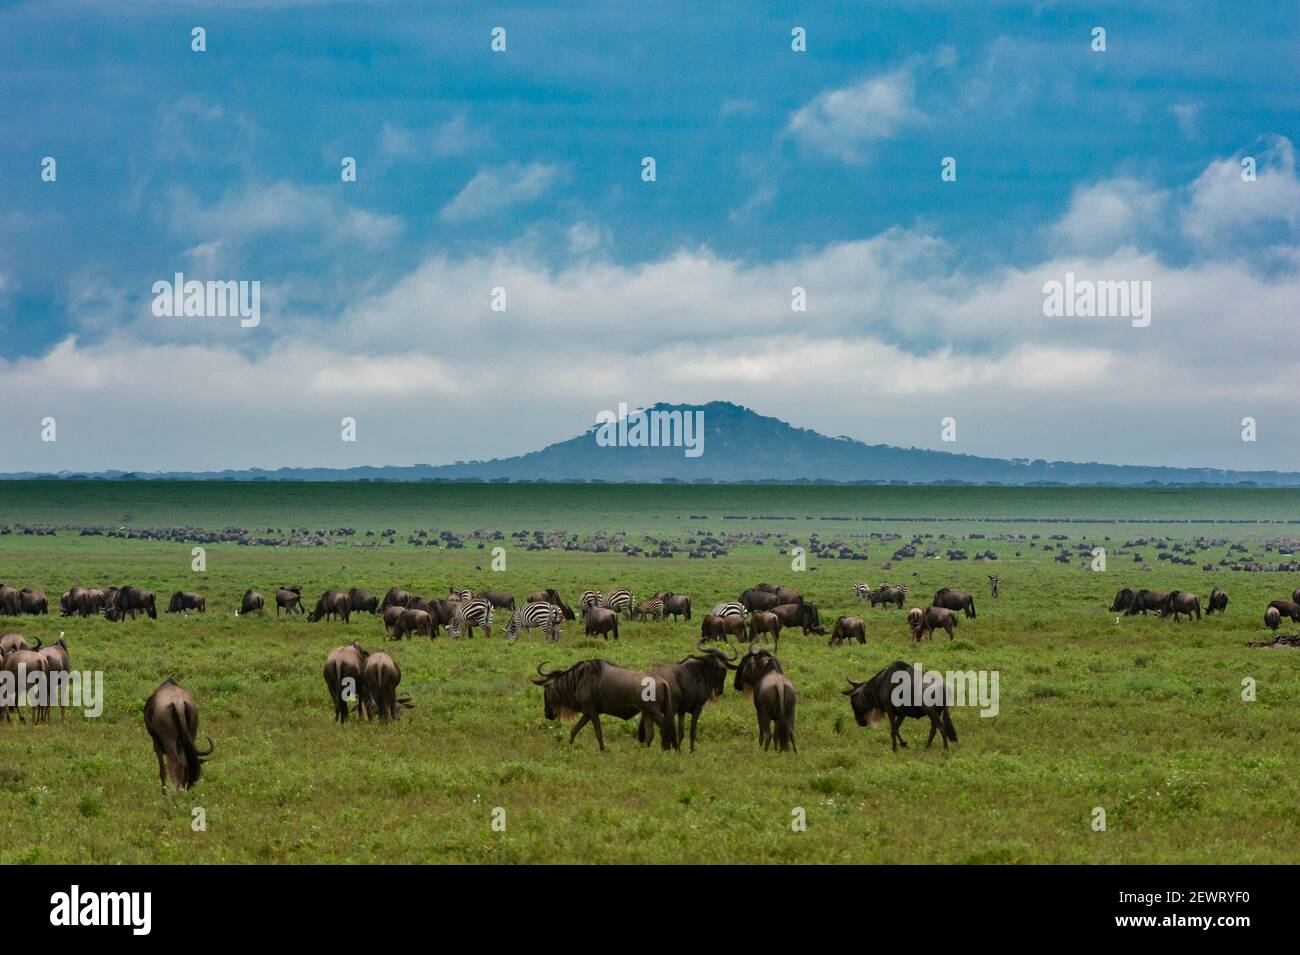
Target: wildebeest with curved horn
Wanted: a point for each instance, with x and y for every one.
(332, 603)
(876, 698)
(595, 687)
(847, 628)
(343, 673)
(759, 675)
(1123, 600)
(184, 600)
(1181, 602)
(380, 679)
(1218, 601)
(955, 600)
(172, 719)
(252, 601)
(695, 681)
(288, 599)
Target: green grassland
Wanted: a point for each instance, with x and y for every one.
(1142, 717)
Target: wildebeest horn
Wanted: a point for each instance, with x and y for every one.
(38, 644)
(853, 683)
(202, 754)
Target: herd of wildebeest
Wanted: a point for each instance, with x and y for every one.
(366, 683)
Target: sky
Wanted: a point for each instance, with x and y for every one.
(522, 170)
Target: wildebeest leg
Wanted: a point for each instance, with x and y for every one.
(764, 734)
(162, 768)
(600, 735)
(894, 738)
(582, 721)
(681, 726)
(934, 728)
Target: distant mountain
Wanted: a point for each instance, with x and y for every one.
(739, 446)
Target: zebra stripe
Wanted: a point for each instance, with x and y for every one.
(731, 609)
(861, 591)
(471, 613)
(653, 609)
(590, 598)
(544, 615)
(459, 593)
(995, 580)
(619, 601)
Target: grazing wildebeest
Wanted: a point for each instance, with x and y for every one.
(379, 688)
(32, 601)
(343, 671)
(890, 693)
(715, 627)
(765, 621)
(788, 595)
(362, 601)
(288, 599)
(1123, 600)
(802, 615)
(551, 596)
(1145, 600)
(412, 621)
(934, 618)
(753, 600)
(954, 600)
(184, 600)
(392, 617)
(9, 601)
(767, 588)
(1287, 608)
(9, 642)
(759, 675)
(135, 600)
(253, 601)
(498, 598)
(172, 720)
(395, 596)
(914, 618)
(418, 603)
(1272, 618)
(885, 594)
(27, 683)
(57, 660)
(83, 602)
(677, 605)
(1218, 601)
(599, 620)
(594, 687)
(332, 603)
(847, 628)
(695, 681)
(1181, 602)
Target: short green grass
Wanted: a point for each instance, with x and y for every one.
(1143, 717)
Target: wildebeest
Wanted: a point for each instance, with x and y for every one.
(885, 594)
(343, 671)
(362, 601)
(411, 621)
(32, 601)
(753, 600)
(1181, 602)
(1295, 596)
(172, 719)
(914, 618)
(133, 601)
(714, 627)
(9, 601)
(1218, 601)
(935, 618)
(395, 596)
(765, 621)
(1287, 608)
(1145, 600)
(57, 660)
(788, 595)
(1272, 618)
(677, 605)
(379, 688)
(9, 642)
(847, 628)
(759, 675)
(392, 617)
(332, 603)
(253, 601)
(27, 683)
(601, 621)
(802, 615)
(954, 600)
(595, 687)
(498, 598)
(695, 681)
(82, 601)
(551, 596)
(892, 693)
(1123, 600)
(184, 600)
(288, 599)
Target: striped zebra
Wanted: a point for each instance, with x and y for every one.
(471, 613)
(459, 593)
(590, 598)
(862, 591)
(619, 601)
(732, 609)
(649, 610)
(544, 615)
(995, 581)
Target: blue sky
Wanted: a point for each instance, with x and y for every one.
(522, 170)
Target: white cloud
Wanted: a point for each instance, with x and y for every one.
(1224, 208)
(843, 123)
(1106, 215)
(493, 190)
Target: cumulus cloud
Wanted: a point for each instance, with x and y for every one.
(1225, 208)
(1105, 215)
(845, 122)
(494, 190)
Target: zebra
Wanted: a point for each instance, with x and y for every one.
(862, 591)
(649, 609)
(619, 601)
(590, 598)
(471, 613)
(995, 581)
(459, 593)
(732, 609)
(544, 615)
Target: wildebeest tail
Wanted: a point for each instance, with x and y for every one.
(782, 720)
(669, 735)
(193, 758)
(948, 727)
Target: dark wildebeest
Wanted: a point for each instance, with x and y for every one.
(1218, 601)
(935, 618)
(498, 598)
(253, 601)
(1272, 618)
(677, 605)
(84, 602)
(765, 621)
(288, 599)
(1145, 600)
(551, 596)
(392, 617)
(343, 670)
(1123, 600)
(1287, 608)
(759, 675)
(9, 601)
(955, 600)
(57, 660)
(184, 600)
(172, 720)
(32, 601)
(847, 628)
(135, 600)
(379, 683)
(914, 618)
(593, 687)
(767, 588)
(362, 601)
(753, 600)
(413, 621)
(29, 671)
(788, 595)
(417, 603)
(332, 603)
(890, 693)
(695, 681)
(1181, 602)
(395, 595)
(600, 620)
(714, 627)
(885, 594)
(1295, 597)
(802, 615)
